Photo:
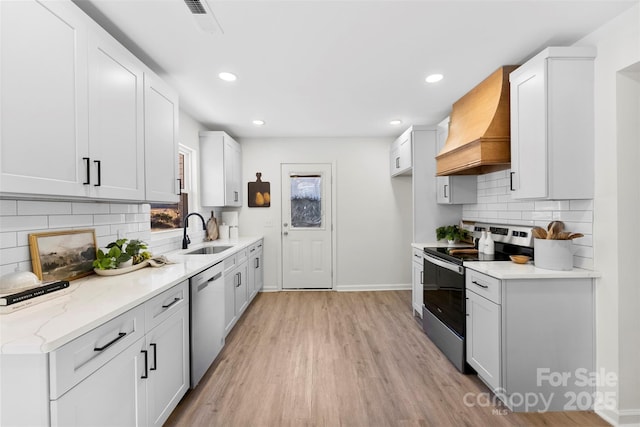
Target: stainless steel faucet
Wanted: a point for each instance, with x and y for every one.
(185, 237)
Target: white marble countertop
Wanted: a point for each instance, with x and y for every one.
(94, 300)
(511, 270)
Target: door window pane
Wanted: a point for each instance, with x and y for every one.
(306, 201)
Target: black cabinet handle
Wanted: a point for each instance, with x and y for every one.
(179, 186)
(155, 360)
(445, 190)
(98, 163)
(479, 284)
(146, 365)
(422, 277)
(175, 301)
(398, 162)
(511, 181)
(88, 167)
(112, 342)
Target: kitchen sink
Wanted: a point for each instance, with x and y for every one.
(208, 250)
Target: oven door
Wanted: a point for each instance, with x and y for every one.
(444, 292)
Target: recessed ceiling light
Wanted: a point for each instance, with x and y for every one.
(395, 122)
(228, 77)
(258, 122)
(434, 78)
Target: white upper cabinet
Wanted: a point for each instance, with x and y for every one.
(116, 121)
(455, 189)
(73, 110)
(43, 107)
(400, 155)
(220, 170)
(161, 141)
(552, 133)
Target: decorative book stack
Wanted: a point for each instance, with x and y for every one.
(18, 300)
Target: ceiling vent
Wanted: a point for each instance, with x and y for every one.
(203, 15)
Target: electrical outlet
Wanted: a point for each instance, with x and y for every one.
(268, 223)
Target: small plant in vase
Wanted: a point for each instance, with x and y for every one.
(121, 254)
(452, 233)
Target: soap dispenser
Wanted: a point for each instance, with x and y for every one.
(489, 245)
(482, 241)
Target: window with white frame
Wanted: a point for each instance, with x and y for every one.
(170, 216)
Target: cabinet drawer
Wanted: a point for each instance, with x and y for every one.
(230, 263)
(242, 256)
(487, 286)
(79, 358)
(417, 256)
(164, 305)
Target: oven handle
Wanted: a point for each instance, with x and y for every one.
(449, 266)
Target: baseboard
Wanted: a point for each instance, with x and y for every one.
(354, 288)
(380, 287)
(624, 417)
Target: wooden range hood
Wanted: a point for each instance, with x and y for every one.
(479, 129)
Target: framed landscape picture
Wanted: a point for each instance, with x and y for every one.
(62, 255)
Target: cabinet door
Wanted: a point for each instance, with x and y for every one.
(232, 172)
(43, 107)
(405, 153)
(528, 133)
(417, 290)
(483, 338)
(116, 145)
(161, 141)
(258, 272)
(168, 353)
(114, 395)
(443, 188)
(242, 288)
(230, 281)
(401, 156)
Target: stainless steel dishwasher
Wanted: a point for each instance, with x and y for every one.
(207, 320)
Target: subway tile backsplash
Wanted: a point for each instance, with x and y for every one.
(496, 205)
(19, 218)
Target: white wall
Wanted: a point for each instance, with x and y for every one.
(616, 212)
(373, 211)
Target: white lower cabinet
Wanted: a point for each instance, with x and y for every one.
(94, 381)
(524, 334)
(243, 278)
(167, 353)
(483, 338)
(417, 291)
(114, 395)
(256, 272)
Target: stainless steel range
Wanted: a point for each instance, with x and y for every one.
(444, 310)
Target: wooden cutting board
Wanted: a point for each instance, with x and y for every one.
(463, 251)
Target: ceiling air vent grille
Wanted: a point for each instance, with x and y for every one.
(204, 16)
(196, 7)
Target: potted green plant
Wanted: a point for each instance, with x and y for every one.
(452, 233)
(121, 253)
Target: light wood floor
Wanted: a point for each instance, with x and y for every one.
(341, 358)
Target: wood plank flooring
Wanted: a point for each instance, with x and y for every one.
(342, 359)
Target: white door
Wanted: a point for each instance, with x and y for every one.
(306, 226)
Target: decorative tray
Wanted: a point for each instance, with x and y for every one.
(119, 271)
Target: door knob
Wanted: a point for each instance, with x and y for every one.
(286, 233)
(286, 224)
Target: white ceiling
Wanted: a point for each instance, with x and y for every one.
(338, 68)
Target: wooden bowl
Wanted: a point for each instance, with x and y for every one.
(520, 259)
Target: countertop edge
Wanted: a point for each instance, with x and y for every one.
(35, 320)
